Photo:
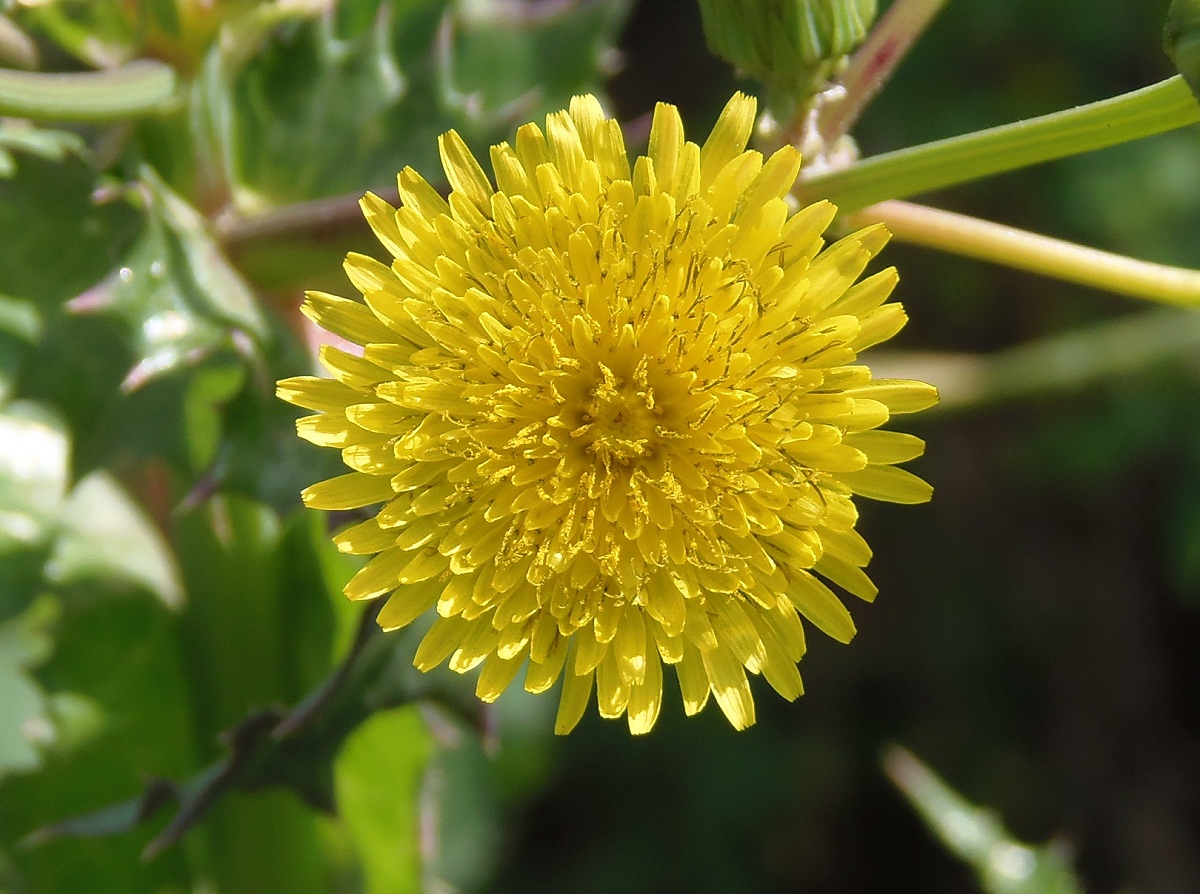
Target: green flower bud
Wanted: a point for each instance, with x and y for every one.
(1182, 40)
(793, 44)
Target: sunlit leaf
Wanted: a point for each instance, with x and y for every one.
(106, 535)
(377, 778)
(52, 145)
(33, 474)
(25, 727)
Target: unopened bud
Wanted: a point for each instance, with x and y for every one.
(794, 44)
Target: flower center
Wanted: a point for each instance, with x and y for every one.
(619, 418)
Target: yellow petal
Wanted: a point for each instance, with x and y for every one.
(349, 319)
(900, 395)
(816, 602)
(693, 680)
(327, 430)
(632, 649)
(542, 674)
(379, 576)
(887, 483)
(350, 369)
(347, 492)
(365, 538)
(406, 605)
(464, 172)
(497, 673)
(576, 691)
(728, 138)
(381, 217)
(729, 686)
(312, 393)
(419, 196)
(666, 141)
(612, 692)
(645, 699)
(847, 576)
(886, 447)
(442, 639)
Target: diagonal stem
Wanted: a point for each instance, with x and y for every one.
(873, 63)
(988, 241)
(1161, 107)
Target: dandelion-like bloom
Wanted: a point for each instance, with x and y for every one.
(613, 417)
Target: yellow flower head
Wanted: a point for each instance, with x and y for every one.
(613, 417)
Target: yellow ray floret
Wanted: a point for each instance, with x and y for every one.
(612, 416)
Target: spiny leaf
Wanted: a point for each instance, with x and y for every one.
(176, 292)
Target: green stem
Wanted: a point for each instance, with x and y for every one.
(873, 63)
(1059, 364)
(1161, 107)
(987, 241)
(139, 88)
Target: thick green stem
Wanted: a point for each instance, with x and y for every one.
(1161, 107)
(987, 241)
(139, 88)
(873, 63)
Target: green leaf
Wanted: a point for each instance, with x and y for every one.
(52, 145)
(106, 535)
(207, 393)
(253, 636)
(20, 325)
(97, 32)
(55, 241)
(120, 658)
(464, 815)
(377, 780)
(536, 57)
(316, 114)
(1181, 39)
(33, 475)
(24, 725)
(179, 297)
(322, 111)
(19, 319)
(143, 87)
(976, 836)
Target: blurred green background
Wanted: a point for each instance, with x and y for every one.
(1037, 636)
